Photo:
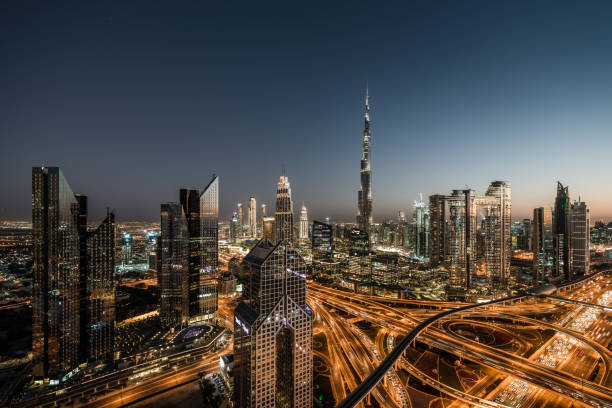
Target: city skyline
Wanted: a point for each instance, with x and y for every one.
(519, 101)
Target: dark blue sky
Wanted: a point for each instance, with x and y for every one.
(136, 100)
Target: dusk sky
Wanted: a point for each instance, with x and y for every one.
(134, 100)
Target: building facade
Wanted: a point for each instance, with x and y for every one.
(252, 217)
(580, 240)
(542, 243)
(303, 222)
(561, 231)
(284, 211)
(273, 331)
(73, 295)
(174, 274)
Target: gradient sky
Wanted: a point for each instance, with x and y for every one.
(134, 101)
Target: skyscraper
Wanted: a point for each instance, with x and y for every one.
(209, 224)
(579, 242)
(421, 229)
(100, 292)
(273, 331)
(542, 243)
(190, 203)
(252, 217)
(460, 240)
(73, 295)
(364, 197)
(360, 257)
(234, 228)
(561, 220)
(304, 223)
(240, 212)
(284, 211)
(322, 242)
(437, 229)
(498, 264)
(173, 278)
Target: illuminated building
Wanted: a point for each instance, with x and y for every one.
(421, 229)
(190, 203)
(284, 211)
(273, 331)
(437, 229)
(579, 242)
(385, 269)
(322, 242)
(269, 229)
(173, 277)
(561, 219)
(497, 263)
(262, 214)
(542, 242)
(252, 217)
(303, 223)
(126, 249)
(100, 292)
(360, 257)
(364, 196)
(209, 218)
(460, 241)
(240, 212)
(401, 216)
(73, 279)
(234, 228)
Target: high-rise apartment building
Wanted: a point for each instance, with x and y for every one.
(73, 295)
(561, 232)
(497, 262)
(252, 217)
(284, 211)
(303, 223)
(269, 229)
(173, 279)
(273, 331)
(580, 239)
(364, 196)
(542, 243)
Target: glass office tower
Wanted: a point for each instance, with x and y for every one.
(56, 274)
(209, 224)
(173, 277)
(273, 331)
(190, 203)
(561, 244)
(542, 243)
(580, 239)
(100, 244)
(73, 299)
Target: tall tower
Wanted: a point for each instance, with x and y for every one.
(273, 331)
(73, 299)
(580, 234)
(421, 229)
(173, 277)
(252, 217)
(240, 212)
(364, 197)
(209, 231)
(561, 223)
(304, 222)
(500, 261)
(284, 211)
